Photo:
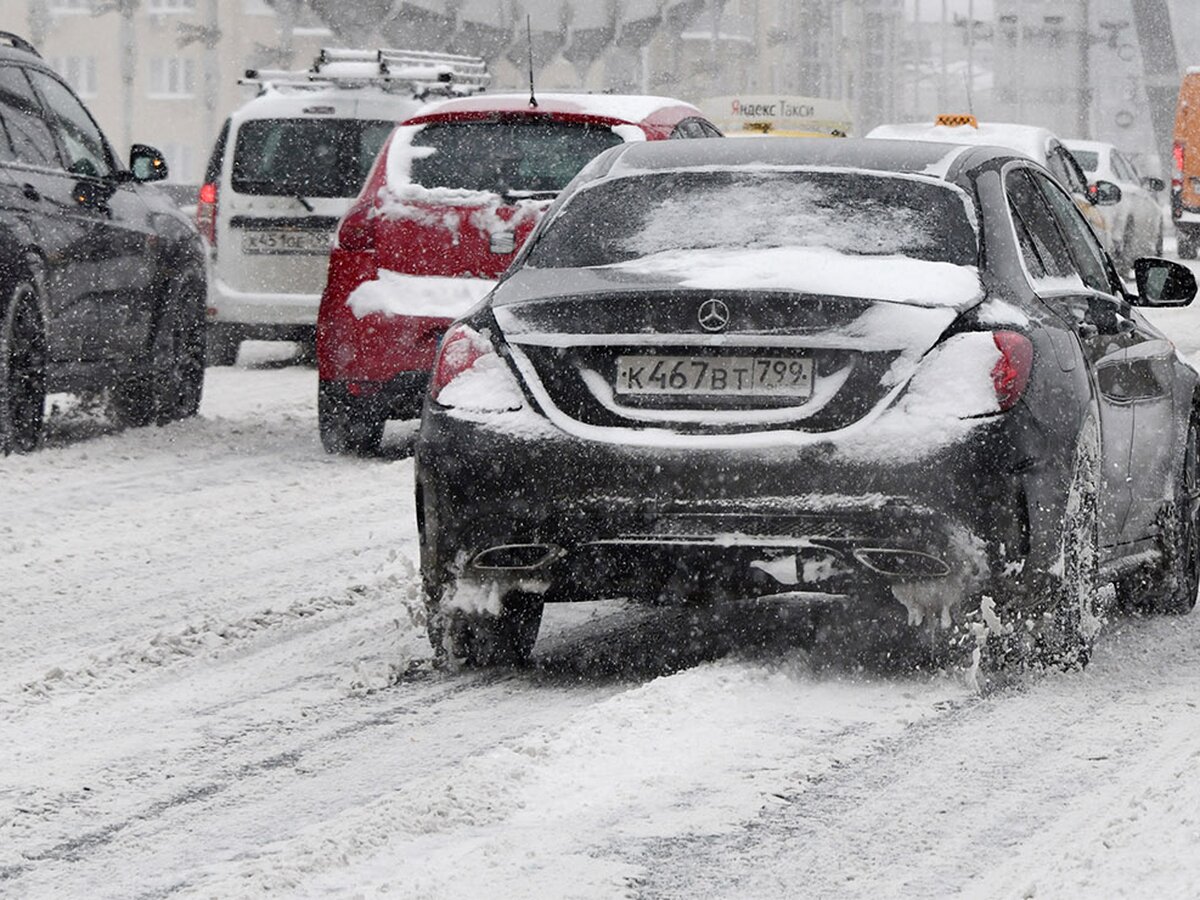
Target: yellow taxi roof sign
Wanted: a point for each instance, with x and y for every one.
(954, 120)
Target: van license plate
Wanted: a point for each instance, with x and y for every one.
(286, 242)
(738, 376)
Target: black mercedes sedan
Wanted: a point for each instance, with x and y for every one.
(898, 378)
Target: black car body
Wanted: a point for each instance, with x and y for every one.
(961, 413)
(102, 278)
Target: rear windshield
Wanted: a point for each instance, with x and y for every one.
(309, 157)
(853, 213)
(1087, 159)
(506, 157)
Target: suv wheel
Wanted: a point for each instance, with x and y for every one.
(347, 424)
(170, 388)
(22, 372)
(1177, 590)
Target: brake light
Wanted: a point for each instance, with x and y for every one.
(461, 348)
(206, 213)
(1010, 375)
(357, 231)
(1177, 155)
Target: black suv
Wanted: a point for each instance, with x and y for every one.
(102, 279)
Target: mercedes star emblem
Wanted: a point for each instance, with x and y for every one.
(713, 315)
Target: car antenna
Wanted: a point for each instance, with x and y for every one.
(529, 47)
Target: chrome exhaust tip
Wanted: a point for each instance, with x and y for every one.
(895, 563)
(515, 557)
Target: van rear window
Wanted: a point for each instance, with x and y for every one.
(507, 156)
(308, 157)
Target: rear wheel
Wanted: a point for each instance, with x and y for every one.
(169, 388)
(22, 372)
(480, 639)
(1181, 538)
(347, 425)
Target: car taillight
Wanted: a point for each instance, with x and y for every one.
(461, 348)
(1010, 375)
(357, 231)
(206, 213)
(1177, 175)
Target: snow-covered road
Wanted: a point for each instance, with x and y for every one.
(215, 682)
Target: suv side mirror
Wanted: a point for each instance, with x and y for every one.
(1104, 193)
(1161, 282)
(146, 163)
(1150, 183)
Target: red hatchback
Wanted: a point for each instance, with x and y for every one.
(454, 193)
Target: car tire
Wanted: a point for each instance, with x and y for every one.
(22, 372)
(481, 639)
(221, 346)
(170, 381)
(1181, 535)
(347, 425)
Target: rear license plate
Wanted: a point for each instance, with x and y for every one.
(733, 376)
(286, 242)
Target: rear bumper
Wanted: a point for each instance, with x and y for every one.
(227, 305)
(579, 520)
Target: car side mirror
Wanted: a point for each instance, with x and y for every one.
(146, 163)
(1104, 193)
(1150, 183)
(1161, 282)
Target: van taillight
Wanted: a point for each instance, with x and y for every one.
(357, 231)
(1177, 175)
(206, 213)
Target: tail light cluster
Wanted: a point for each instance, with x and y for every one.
(1010, 375)
(1177, 176)
(206, 213)
(461, 348)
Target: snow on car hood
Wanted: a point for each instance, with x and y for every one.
(816, 270)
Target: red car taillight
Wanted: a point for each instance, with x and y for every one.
(1177, 175)
(357, 231)
(206, 213)
(461, 348)
(1010, 375)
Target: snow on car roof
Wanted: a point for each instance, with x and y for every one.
(1029, 140)
(623, 107)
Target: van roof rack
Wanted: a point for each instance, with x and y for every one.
(418, 72)
(18, 43)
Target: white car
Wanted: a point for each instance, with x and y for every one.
(1039, 144)
(286, 167)
(1136, 221)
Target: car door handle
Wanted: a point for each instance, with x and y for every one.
(31, 193)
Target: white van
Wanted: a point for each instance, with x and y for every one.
(286, 167)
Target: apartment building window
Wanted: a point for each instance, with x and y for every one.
(171, 6)
(79, 72)
(172, 77)
(70, 6)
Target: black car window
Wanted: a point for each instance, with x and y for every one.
(850, 213)
(1045, 250)
(1063, 166)
(507, 155)
(310, 157)
(709, 129)
(1085, 249)
(86, 149)
(29, 137)
(689, 128)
